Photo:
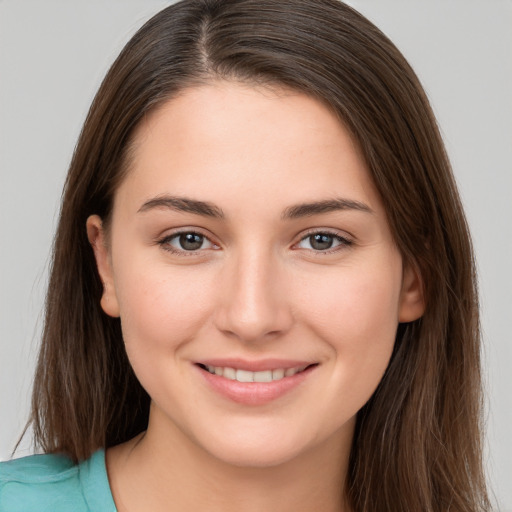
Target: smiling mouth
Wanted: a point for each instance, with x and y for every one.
(247, 376)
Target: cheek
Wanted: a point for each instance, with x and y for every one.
(356, 315)
(161, 308)
(354, 301)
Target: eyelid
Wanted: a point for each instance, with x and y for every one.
(346, 241)
(163, 241)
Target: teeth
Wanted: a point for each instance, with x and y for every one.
(247, 376)
(277, 374)
(229, 373)
(263, 376)
(244, 376)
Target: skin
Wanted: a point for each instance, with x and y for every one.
(257, 288)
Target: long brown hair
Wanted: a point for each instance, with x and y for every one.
(417, 445)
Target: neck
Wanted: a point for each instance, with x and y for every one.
(167, 471)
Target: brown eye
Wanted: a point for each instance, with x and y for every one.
(190, 241)
(186, 241)
(322, 242)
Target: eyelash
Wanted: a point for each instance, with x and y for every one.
(165, 242)
(343, 242)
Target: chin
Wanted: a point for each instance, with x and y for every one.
(256, 455)
(258, 447)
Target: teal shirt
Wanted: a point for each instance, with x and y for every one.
(52, 483)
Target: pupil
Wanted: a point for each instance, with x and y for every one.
(321, 241)
(191, 241)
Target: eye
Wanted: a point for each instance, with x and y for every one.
(186, 241)
(323, 241)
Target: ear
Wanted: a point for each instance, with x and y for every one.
(412, 300)
(97, 239)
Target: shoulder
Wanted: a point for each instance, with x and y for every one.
(41, 483)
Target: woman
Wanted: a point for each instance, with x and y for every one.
(262, 293)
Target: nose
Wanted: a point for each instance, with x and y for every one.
(253, 301)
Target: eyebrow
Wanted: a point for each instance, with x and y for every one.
(326, 206)
(207, 209)
(183, 204)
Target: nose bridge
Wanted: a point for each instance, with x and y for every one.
(253, 303)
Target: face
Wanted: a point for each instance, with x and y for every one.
(248, 243)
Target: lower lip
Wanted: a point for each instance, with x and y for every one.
(254, 393)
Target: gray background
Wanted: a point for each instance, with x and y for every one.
(53, 55)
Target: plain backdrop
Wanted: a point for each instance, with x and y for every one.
(53, 55)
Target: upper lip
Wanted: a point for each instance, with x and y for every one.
(255, 365)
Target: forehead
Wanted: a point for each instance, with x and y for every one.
(226, 141)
